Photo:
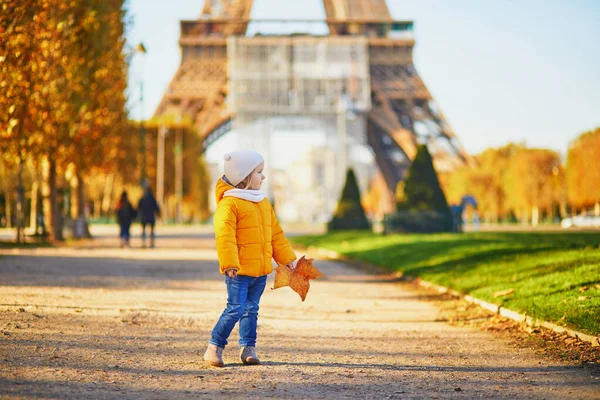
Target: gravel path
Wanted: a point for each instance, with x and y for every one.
(101, 322)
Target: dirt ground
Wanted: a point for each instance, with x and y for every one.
(99, 322)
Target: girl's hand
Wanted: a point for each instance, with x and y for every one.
(291, 266)
(232, 273)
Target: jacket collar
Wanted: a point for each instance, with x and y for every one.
(224, 189)
(254, 196)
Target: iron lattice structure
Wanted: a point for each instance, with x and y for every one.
(401, 112)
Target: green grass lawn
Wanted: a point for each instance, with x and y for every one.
(555, 275)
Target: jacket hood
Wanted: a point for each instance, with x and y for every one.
(221, 188)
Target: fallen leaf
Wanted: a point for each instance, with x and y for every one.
(297, 278)
(582, 298)
(527, 329)
(504, 292)
(583, 288)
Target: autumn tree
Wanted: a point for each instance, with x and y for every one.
(512, 180)
(582, 172)
(100, 100)
(491, 181)
(531, 183)
(20, 61)
(485, 181)
(64, 76)
(195, 178)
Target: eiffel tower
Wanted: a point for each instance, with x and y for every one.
(401, 112)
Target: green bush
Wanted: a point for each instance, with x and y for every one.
(422, 205)
(349, 213)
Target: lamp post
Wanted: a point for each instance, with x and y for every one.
(142, 49)
(342, 141)
(345, 111)
(160, 168)
(178, 171)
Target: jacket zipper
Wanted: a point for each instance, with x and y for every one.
(262, 240)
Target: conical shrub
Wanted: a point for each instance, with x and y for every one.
(349, 213)
(421, 203)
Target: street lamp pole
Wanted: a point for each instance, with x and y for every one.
(342, 138)
(142, 49)
(142, 136)
(178, 172)
(160, 169)
(342, 131)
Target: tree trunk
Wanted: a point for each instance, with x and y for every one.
(36, 214)
(8, 202)
(52, 214)
(107, 195)
(33, 212)
(535, 216)
(80, 224)
(82, 208)
(97, 208)
(20, 204)
(499, 208)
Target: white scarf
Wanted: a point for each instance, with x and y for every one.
(254, 196)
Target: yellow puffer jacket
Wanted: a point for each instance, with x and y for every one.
(248, 235)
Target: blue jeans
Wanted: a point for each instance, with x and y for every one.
(124, 234)
(151, 225)
(243, 296)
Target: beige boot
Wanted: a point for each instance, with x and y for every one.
(248, 355)
(214, 355)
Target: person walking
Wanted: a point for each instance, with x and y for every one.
(148, 209)
(125, 216)
(248, 236)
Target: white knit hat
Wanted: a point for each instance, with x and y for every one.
(239, 164)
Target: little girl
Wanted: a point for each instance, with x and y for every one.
(248, 237)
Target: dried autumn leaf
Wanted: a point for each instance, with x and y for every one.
(504, 292)
(298, 278)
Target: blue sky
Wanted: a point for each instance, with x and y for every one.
(500, 70)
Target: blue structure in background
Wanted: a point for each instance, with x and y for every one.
(457, 213)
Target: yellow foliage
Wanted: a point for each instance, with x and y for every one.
(510, 178)
(583, 174)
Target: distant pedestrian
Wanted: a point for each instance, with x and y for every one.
(125, 216)
(248, 237)
(148, 209)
